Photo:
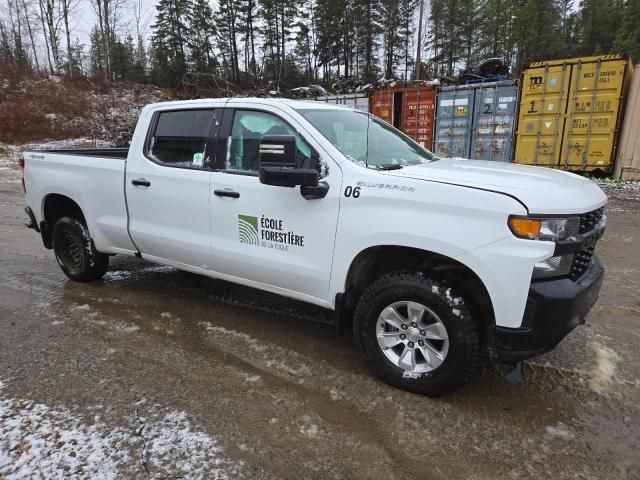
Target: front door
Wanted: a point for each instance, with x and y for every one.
(268, 236)
(168, 188)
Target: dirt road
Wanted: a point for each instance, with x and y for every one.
(156, 373)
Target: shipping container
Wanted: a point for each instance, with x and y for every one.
(628, 153)
(570, 111)
(357, 101)
(476, 121)
(410, 110)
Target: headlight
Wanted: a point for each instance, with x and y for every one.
(553, 267)
(552, 229)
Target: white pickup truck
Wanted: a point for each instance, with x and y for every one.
(437, 263)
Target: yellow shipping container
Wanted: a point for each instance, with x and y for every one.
(569, 112)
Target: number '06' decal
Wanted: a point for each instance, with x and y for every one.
(352, 191)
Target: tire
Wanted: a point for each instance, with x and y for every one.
(454, 353)
(76, 253)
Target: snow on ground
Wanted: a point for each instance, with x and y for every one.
(621, 189)
(9, 154)
(42, 442)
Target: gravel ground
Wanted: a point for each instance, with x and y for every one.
(156, 373)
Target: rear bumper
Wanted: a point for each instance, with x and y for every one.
(554, 308)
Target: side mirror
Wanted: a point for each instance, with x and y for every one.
(278, 163)
(278, 151)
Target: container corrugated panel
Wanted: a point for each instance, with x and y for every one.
(358, 101)
(628, 161)
(418, 105)
(569, 113)
(453, 122)
(408, 109)
(381, 103)
(494, 119)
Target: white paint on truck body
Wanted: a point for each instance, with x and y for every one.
(457, 208)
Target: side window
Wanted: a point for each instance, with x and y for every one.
(244, 143)
(180, 138)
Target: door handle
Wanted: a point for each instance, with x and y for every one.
(141, 182)
(226, 193)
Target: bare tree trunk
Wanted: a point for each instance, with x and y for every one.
(29, 29)
(42, 16)
(65, 12)
(107, 37)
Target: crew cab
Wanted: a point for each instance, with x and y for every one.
(436, 263)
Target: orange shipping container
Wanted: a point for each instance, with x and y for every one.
(410, 110)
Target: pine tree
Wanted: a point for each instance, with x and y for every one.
(170, 40)
(248, 16)
(406, 12)
(305, 44)
(201, 30)
(226, 19)
(537, 31)
(600, 20)
(627, 40)
(369, 29)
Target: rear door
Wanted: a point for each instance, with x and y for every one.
(167, 187)
(264, 234)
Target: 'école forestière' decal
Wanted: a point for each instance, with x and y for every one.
(267, 232)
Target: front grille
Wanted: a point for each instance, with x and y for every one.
(588, 221)
(581, 261)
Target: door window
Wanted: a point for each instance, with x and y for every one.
(243, 146)
(180, 138)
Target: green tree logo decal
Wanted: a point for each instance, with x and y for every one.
(248, 229)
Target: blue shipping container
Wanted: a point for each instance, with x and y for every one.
(476, 121)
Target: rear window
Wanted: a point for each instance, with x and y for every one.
(179, 138)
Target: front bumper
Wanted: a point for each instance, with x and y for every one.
(554, 308)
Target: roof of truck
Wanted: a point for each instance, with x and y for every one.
(292, 103)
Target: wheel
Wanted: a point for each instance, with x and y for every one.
(75, 252)
(417, 334)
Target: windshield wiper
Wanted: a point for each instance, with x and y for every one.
(389, 166)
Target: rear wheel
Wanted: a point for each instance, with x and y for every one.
(75, 251)
(417, 334)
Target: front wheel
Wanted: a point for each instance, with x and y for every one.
(417, 334)
(75, 252)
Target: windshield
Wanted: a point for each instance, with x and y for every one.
(367, 140)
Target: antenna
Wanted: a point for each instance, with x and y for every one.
(366, 156)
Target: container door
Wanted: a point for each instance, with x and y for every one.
(382, 105)
(592, 114)
(541, 114)
(453, 123)
(418, 115)
(493, 122)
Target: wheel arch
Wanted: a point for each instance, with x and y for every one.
(54, 207)
(373, 262)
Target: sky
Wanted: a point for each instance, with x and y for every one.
(84, 18)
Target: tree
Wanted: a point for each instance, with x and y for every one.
(627, 40)
(369, 29)
(50, 18)
(248, 16)
(537, 31)
(599, 20)
(226, 19)
(200, 39)
(391, 35)
(169, 41)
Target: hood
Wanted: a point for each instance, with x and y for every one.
(541, 190)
